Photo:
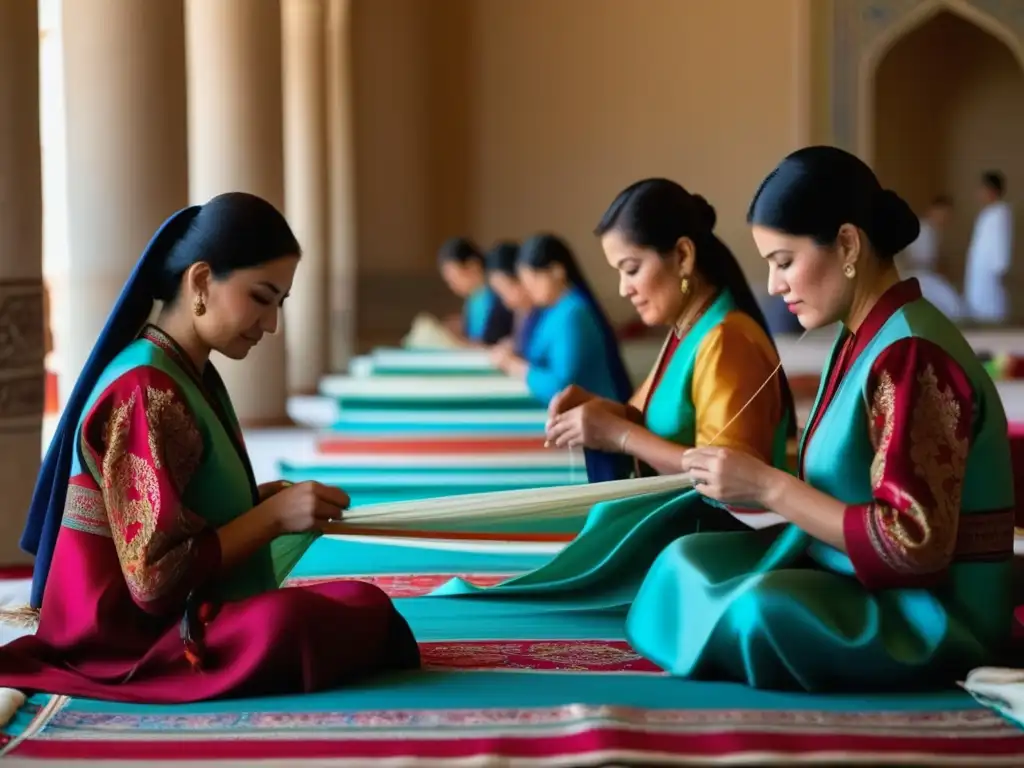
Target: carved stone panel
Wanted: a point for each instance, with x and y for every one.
(861, 26)
(21, 354)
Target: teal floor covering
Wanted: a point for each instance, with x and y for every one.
(437, 620)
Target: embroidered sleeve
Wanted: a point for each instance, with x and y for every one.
(921, 407)
(143, 446)
(730, 367)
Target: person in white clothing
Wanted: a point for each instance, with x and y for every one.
(990, 253)
(921, 259)
(923, 253)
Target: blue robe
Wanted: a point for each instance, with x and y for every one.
(573, 343)
(567, 346)
(485, 319)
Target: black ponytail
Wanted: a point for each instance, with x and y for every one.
(461, 251)
(501, 259)
(815, 190)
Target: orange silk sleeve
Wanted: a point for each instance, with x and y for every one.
(143, 446)
(733, 361)
(921, 412)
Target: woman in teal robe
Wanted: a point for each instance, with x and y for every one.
(717, 358)
(572, 341)
(484, 320)
(894, 568)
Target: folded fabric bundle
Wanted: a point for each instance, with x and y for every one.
(1000, 689)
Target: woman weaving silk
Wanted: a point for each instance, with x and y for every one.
(716, 358)
(572, 341)
(895, 569)
(484, 319)
(157, 556)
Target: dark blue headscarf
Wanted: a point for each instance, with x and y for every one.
(126, 320)
(234, 230)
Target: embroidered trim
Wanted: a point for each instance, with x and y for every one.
(158, 338)
(85, 511)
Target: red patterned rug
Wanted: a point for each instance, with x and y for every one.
(410, 584)
(438, 718)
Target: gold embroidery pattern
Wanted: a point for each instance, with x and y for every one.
(84, 511)
(883, 414)
(567, 655)
(151, 559)
(173, 436)
(920, 535)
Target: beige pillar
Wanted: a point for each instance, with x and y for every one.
(305, 184)
(124, 76)
(342, 192)
(21, 264)
(235, 144)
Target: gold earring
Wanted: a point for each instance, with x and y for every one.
(684, 286)
(199, 306)
(850, 271)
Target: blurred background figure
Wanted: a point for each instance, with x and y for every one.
(990, 254)
(923, 259)
(484, 319)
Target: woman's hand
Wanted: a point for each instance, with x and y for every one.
(504, 346)
(590, 426)
(266, 490)
(506, 360)
(453, 324)
(569, 398)
(305, 507)
(501, 353)
(729, 476)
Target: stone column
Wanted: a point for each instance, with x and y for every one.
(124, 76)
(21, 264)
(342, 193)
(235, 144)
(305, 183)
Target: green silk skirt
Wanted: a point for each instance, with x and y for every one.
(603, 567)
(754, 607)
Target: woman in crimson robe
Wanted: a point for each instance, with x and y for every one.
(158, 558)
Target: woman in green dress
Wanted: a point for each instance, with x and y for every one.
(894, 570)
(717, 358)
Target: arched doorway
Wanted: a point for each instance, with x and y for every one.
(948, 103)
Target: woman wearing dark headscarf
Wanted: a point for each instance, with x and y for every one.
(894, 571)
(158, 559)
(484, 319)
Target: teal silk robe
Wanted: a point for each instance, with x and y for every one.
(605, 564)
(908, 431)
(568, 346)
